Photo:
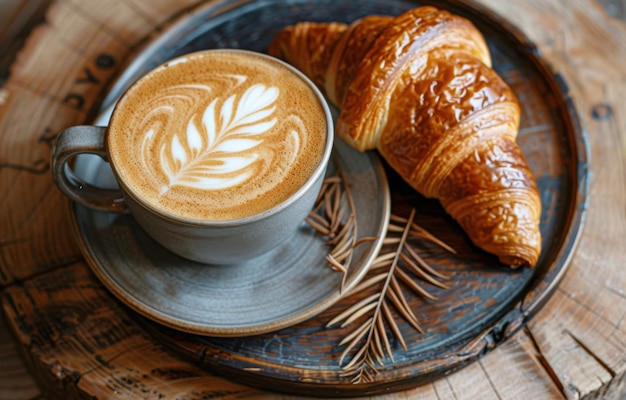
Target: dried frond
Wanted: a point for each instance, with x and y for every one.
(397, 269)
(334, 216)
(381, 302)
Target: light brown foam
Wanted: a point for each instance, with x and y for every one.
(188, 176)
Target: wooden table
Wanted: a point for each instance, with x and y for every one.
(575, 347)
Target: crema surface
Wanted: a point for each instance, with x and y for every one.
(217, 136)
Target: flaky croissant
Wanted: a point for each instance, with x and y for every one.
(419, 88)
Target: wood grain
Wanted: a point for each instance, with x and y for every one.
(79, 341)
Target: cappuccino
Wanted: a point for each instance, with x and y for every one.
(217, 135)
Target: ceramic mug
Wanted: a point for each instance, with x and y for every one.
(219, 155)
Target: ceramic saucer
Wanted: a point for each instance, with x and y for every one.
(284, 287)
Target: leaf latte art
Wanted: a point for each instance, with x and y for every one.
(217, 156)
(218, 140)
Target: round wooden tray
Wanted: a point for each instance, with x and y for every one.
(486, 302)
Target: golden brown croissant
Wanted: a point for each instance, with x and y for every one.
(419, 88)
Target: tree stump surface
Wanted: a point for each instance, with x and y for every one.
(77, 340)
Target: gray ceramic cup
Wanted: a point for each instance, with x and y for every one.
(205, 241)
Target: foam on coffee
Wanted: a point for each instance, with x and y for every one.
(217, 136)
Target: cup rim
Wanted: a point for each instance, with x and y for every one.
(319, 170)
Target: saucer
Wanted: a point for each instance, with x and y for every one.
(286, 286)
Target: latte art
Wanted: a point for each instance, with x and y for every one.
(215, 156)
(223, 139)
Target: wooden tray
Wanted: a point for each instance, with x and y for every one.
(486, 302)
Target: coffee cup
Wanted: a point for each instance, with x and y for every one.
(219, 155)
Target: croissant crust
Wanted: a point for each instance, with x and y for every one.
(419, 88)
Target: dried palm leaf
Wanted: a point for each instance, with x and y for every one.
(334, 216)
(375, 316)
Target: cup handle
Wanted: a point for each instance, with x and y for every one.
(70, 143)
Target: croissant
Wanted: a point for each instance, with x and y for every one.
(419, 88)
